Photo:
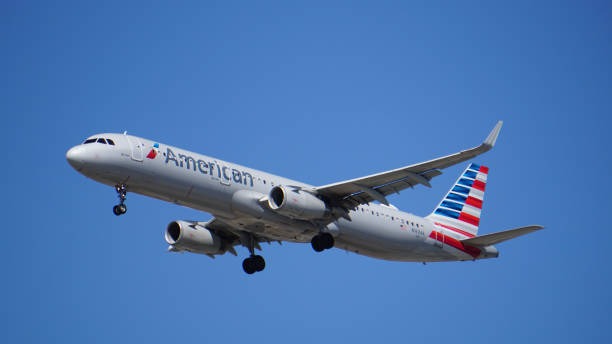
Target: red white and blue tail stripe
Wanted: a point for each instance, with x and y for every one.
(460, 210)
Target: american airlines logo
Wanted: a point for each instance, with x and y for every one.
(154, 151)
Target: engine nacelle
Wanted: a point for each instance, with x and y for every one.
(192, 237)
(296, 203)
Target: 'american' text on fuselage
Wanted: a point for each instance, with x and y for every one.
(209, 167)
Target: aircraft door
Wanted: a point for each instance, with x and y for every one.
(136, 148)
(225, 175)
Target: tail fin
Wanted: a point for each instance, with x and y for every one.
(460, 210)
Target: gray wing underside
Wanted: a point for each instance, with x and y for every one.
(375, 187)
(233, 236)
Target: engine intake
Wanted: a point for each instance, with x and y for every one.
(296, 203)
(192, 237)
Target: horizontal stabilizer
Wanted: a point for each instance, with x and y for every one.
(496, 238)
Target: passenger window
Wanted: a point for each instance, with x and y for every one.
(102, 141)
(89, 141)
(110, 142)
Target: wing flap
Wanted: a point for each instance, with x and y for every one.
(496, 238)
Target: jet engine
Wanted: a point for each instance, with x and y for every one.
(296, 203)
(192, 237)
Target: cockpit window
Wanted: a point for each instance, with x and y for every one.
(89, 141)
(110, 142)
(103, 141)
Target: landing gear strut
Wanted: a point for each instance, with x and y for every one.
(120, 208)
(254, 263)
(322, 241)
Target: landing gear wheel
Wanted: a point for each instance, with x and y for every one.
(259, 263)
(322, 241)
(248, 266)
(253, 264)
(316, 243)
(119, 209)
(327, 240)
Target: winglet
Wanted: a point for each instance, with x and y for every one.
(490, 141)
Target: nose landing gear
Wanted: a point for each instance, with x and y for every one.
(120, 208)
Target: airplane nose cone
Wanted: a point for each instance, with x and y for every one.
(75, 157)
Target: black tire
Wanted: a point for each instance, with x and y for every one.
(116, 210)
(327, 240)
(259, 263)
(248, 266)
(316, 243)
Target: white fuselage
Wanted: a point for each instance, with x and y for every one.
(230, 192)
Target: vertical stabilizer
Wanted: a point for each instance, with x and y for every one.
(460, 210)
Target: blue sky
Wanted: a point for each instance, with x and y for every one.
(319, 92)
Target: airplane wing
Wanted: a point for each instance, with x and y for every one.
(375, 187)
(496, 238)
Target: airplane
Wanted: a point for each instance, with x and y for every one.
(250, 207)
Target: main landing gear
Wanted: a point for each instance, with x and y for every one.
(120, 208)
(254, 263)
(322, 241)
